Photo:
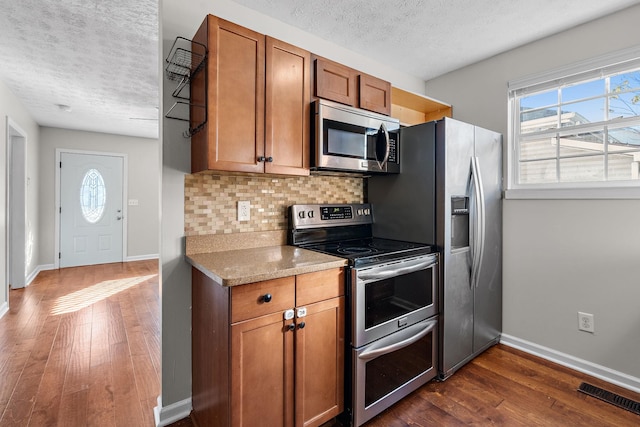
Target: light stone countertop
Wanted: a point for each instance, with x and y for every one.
(242, 266)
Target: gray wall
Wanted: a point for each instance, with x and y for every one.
(143, 183)
(178, 20)
(561, 256)
(12, 107)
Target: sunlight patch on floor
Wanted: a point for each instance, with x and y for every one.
(85, 297)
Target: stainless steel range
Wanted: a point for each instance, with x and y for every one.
(392, 320)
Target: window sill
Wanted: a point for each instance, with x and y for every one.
(573, 193)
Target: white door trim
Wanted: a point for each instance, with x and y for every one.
(11, 222)
(125, 186)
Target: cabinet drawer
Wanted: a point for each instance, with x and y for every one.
(319, 286)
(249, 301)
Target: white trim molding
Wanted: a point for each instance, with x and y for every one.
(165, 415)
(602, 372)
(4, 308)
(141, 257)
(31, 277)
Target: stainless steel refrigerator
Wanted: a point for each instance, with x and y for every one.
(449, 193)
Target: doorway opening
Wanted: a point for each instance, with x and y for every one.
(16, 212)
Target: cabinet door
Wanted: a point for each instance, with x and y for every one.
(335, 82)
(287, 104)
(375, 94)
(319, 363)
(262, 372)
(233, 138)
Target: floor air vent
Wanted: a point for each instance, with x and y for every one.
(609, 397)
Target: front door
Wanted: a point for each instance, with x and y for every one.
(91, 209)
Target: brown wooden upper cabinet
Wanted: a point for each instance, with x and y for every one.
(345, 85)
(258, 97)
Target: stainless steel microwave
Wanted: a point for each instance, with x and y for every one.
(355, 140)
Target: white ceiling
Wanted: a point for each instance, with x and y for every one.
(100, 56)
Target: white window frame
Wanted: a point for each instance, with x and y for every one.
(619, 61)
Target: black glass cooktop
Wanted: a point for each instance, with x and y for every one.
(371, 250)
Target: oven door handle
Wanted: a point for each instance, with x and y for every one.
(375, 349)
(381, 274)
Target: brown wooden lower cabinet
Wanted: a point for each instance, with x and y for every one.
(268, 370)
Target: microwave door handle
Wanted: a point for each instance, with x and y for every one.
(387, 146)
(375, 352)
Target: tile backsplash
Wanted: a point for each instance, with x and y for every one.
(211, 200)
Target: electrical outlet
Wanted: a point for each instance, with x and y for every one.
(244, 210)
(585, 322)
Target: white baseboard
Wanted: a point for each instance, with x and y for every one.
(165, 415)
(602, 372)
(4, 309)
(141, 257)
(31, 277)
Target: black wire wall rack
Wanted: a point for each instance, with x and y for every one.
(185, 61)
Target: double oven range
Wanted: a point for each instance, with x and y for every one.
(392, 304)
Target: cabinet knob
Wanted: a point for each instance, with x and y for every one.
(266, 298)
(301, 325)
(262, 159)
(291, 326)
(269, 159)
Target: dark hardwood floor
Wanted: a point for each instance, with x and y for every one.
(81, 347)
(505, 387)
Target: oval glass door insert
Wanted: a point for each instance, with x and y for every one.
(93, 196)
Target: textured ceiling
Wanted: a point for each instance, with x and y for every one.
(428, 38)
(100, 57)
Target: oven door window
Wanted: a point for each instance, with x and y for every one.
(397, 296)
(391, 371)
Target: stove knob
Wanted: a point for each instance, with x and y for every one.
(310, 214)
(301, 214)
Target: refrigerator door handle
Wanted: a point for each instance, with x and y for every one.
(480, 222)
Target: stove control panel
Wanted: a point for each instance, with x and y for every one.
(314, 216)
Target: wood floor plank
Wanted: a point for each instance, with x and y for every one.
(56, 364)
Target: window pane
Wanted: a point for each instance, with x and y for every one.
(542, 148)
(538, 120)
(539, 100)
(585, 169)
(626, 81)
(582, 143)
(93, 196)
(623, 166)
(624, 105)
(628, 137)
(583, 112)
(535, 172)
(583, 90)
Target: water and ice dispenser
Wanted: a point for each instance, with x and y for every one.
(459, 222)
